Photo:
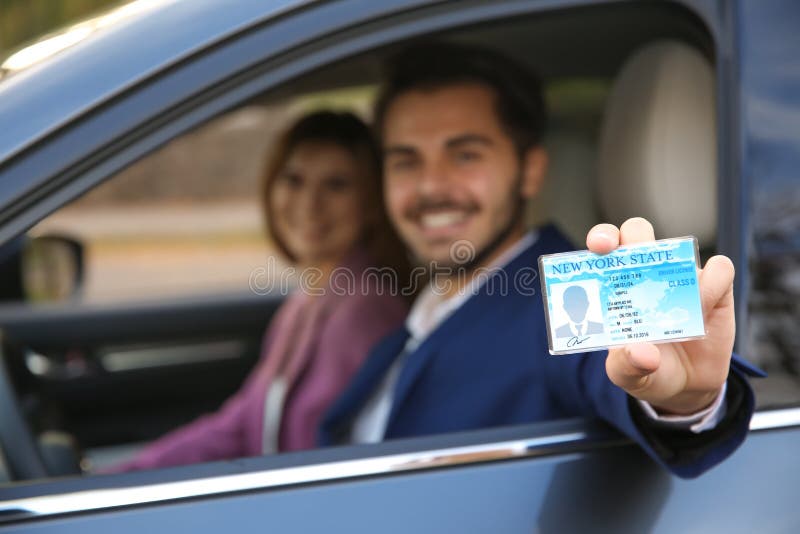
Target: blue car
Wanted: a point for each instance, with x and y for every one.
(687, 109)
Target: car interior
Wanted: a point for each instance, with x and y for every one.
(632, 127)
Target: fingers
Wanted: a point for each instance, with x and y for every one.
(716, 283)
(636, 230)
(603, 238)
(630, 367)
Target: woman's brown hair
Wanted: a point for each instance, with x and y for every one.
(345, 130)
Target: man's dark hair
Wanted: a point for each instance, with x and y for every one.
(429, 66)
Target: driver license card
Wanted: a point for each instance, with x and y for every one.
(645, 292)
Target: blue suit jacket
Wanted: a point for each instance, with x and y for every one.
(488, 365)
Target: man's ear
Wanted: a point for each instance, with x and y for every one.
(534, 168)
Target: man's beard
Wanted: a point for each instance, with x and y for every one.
(478, 257)
(494, 244)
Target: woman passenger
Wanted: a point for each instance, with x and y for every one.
(324, 208)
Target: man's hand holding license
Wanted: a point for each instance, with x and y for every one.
(682, 377)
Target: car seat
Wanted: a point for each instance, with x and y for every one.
(658, 147)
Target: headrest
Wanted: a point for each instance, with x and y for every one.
(567, 196)
(658, 145)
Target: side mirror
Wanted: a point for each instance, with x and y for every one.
(52, 268)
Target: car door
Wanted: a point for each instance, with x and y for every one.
(565, 476)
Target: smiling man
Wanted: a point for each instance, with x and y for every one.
(452, 173)
(461, 130)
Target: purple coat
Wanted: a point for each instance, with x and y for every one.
(326, 338)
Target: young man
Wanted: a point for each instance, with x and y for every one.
(461, 130)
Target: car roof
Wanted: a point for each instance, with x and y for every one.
(44, 97)
(41, 98)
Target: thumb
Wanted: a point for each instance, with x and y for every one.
(631, 367)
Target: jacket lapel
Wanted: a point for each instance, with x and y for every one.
(335, 426)
(307, 339)
(464, 319)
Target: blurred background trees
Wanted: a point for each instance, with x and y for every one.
(23, 21)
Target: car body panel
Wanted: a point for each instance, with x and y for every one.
(613, 487)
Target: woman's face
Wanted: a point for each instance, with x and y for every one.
(317, 202)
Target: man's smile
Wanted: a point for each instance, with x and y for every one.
(439, 223)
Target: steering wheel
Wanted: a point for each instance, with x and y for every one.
(17, 441)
